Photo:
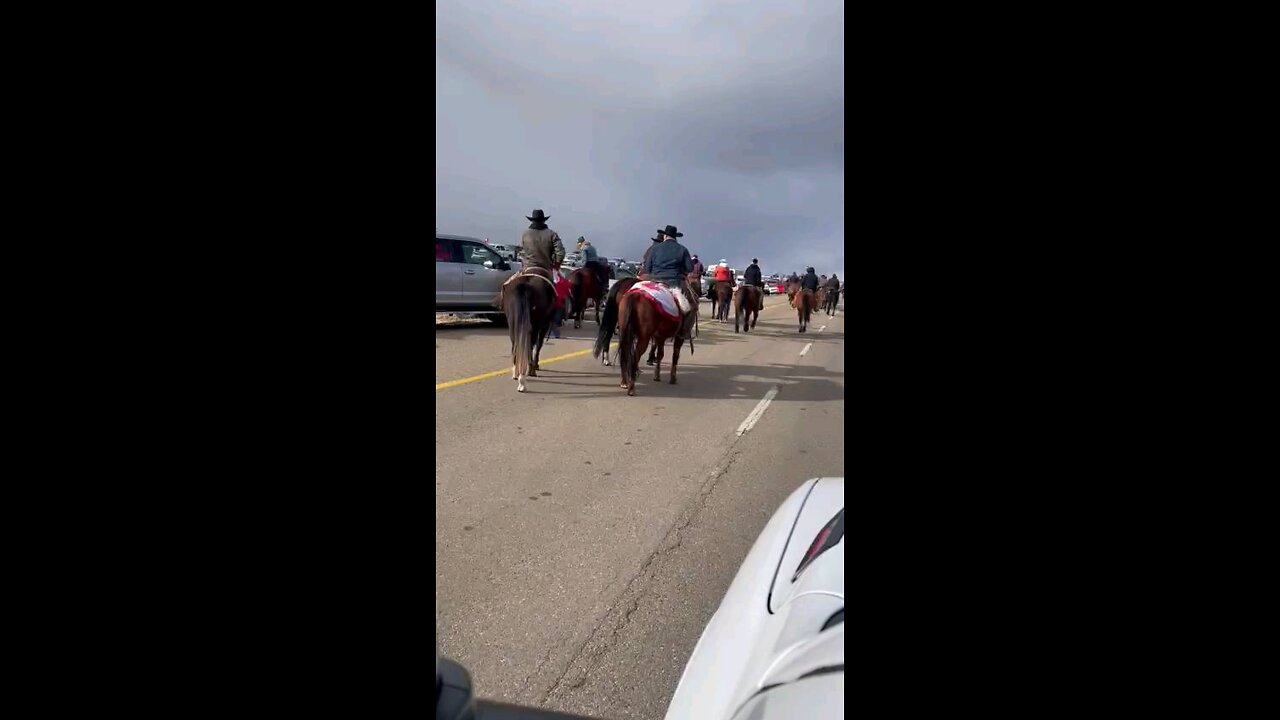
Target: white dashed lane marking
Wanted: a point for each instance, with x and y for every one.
(754, 417)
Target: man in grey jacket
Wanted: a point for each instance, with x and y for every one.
(540, 247)
(670, 263)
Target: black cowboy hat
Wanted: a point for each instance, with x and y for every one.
(670, 231)
(658, 238)
(538, 216)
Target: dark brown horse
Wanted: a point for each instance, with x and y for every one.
(641, 322)
(528, 299)
(584, 285)
(748, 301)
(721, 294)
(609, 323)
(804, 303)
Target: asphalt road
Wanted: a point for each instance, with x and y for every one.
(583, 537)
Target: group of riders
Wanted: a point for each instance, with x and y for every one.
(666, 261)
(534, 299)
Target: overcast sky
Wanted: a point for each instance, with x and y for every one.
(725, 119)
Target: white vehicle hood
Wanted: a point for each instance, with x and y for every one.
(772, 632)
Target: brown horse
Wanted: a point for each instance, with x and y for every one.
(641, 322)
(720, 297)
(584, 285)
(793, 287)
(748, 300)
(804, 303)
(528, 299)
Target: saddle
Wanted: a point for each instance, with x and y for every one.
(662, 297)
(559, 285)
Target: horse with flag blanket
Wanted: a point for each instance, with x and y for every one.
(649, 311)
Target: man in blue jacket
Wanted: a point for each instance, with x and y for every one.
(669, 263)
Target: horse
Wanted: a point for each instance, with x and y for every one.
(609, 322)
(748, 300)
(820, 298)
(641, 322)
(721, 293)
(584, 285)
(793, 287)
(528, 298)
(804, 303)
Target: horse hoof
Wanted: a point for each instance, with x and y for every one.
(673, 381)
(520, 387)
(631, 392)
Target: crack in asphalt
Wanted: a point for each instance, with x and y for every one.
(606, 635)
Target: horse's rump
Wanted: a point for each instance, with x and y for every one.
(748, 293)
(804, 298)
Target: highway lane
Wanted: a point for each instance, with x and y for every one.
(583, 538)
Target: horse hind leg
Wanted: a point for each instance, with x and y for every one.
(662, 352)
(642, 344)
(675, 357)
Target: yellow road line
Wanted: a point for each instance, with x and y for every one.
(495, 373)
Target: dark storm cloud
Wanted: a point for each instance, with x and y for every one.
(726, 119)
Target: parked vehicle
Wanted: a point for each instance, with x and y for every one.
(507, 252)
(774, 649)
(469, 275)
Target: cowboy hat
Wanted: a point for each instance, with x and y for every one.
(670, 231)
(538, 216)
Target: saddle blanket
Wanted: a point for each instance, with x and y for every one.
(561, 285)
(658, 294)
(558, 282)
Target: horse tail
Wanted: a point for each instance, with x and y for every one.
(607, 322)
(627, 341)
(521, 327)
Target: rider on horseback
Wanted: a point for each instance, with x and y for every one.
(752, 276)
(540, 247)
(723, 274)
(657, 240)
(809, 281)
(593, 263)
(669, 263)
